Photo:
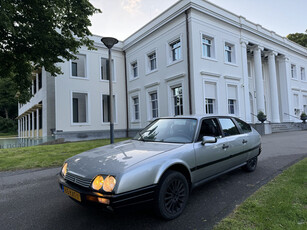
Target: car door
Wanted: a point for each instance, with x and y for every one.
(210, 158)
(237, 141)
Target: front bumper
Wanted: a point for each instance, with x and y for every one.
(138, 196)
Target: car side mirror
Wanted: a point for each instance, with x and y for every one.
(207, 139)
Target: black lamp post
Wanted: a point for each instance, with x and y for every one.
(109, 43)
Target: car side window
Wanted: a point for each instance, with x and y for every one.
(209, 127)
(228, 127)
(246, 128)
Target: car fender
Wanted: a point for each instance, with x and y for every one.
(169, 164)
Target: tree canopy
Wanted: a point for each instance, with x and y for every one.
(299, 38)
(40, 33)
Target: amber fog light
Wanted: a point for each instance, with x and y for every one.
(64, 170)
(109, 184)
(97, 183)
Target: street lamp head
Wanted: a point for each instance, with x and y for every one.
(109, 42)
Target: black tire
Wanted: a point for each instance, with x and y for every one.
(172, 195)
(251, 164)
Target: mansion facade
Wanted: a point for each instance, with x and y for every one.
(194, 58)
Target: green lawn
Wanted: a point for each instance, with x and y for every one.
(281, 204)
(8, 135)
(44, 155)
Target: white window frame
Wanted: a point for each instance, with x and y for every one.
(173, 84)
(172, 41)
(85, 68)
(238, 99)
(132, 111)
(303, 73)
(215, 106)
(233, 53)
(148, 61)
(293, 71)
(149, 102)
(115, 108)
(132, 77)
(212, 46)
(114, 67)
(208, 104)
(88, 109)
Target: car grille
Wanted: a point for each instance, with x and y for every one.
(84, 182)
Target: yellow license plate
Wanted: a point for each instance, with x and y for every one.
(72, 194)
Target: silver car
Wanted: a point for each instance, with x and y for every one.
(162, 164)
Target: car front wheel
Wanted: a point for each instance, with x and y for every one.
(251, 164)
(172, 195)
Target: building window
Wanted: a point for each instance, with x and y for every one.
(296, 104)
(209, 104)
(231, 106)
(106, 108)
(136, 111)
(175, 48)
(305, 104)
(232, 99)
(303, 75)
(208, 47)
(153, 97)
(104, 69)
(177, 100)
(152, 61)
(74, 69)
(134, 69)
(210, 98)
(78, 66)
(293, 71)
(229, 53)
(80, 107)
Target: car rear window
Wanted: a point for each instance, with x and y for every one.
(246, 128)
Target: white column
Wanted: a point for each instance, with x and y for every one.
(22, 127)
(285, 89)
(32, 114)
(29, 126)
(259, 79)
(248, 118)
(273, 87)
(26, 126)
(37, 123)
(18, 125)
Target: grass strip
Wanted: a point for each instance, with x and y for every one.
(42, 156)
(280, 204)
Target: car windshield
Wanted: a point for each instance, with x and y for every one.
(170, 130)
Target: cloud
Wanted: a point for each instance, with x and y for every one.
(131, 6)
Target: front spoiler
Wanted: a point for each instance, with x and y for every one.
(138, 196)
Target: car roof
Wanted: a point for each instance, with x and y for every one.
(197, 116)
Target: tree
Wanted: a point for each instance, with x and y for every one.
(299, 38)
(8, 101)
(40, 33)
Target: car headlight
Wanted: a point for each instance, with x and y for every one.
(64, 169)
(109, 184)
(106, 183)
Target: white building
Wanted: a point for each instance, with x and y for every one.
(194, 58)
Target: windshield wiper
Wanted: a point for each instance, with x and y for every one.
(141, 136)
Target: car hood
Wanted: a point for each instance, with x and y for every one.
(116, 158)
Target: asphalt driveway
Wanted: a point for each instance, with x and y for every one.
(31, 199)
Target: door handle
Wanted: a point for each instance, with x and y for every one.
(225, 146)
(244, 141)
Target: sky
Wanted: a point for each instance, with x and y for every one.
(121, 18)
